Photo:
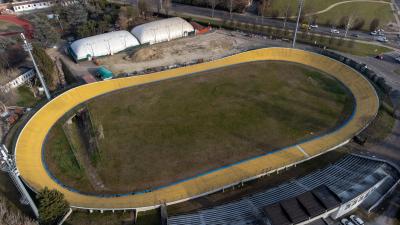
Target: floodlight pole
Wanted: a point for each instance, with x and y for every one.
(28, 48)
(7, 164)
(59, 22)
(297, 24)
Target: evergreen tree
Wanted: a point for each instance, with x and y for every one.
(45, 64)
(87, 29)
(52, 206)
(76, 15)
(45, 33)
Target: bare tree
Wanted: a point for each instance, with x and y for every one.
(7, 98)
(349, 24)
(143, 8)
(167, 6)
(231, 6)
(122, 20)
(159, 5)
(11, 215)
(213, 4)
(358, 23)
(307, 14)
(288, 14)
(263, 6)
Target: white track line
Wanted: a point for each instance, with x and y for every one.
(302, 150)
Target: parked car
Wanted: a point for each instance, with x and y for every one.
(364, 66)
(381, 32)
(379, 57)
(373, 33)
(382, 39)
(355, 35)
(313, 26)
(335, 31)
(357, 220)
(397, 59)
(345, 221)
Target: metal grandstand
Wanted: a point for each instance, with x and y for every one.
(347, 180)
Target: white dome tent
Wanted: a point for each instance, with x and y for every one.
(162, 30)
(102, 44)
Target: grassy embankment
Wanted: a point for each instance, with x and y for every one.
(362, 13)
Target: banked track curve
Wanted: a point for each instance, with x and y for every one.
(28, 149)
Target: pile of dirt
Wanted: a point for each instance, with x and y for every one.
(222, 45)
(146, 54)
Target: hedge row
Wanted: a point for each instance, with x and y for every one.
(377, 80)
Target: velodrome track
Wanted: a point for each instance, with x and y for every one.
(28, 148)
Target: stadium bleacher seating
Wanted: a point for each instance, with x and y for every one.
(344, 180)
(311, 204)
(294, 210)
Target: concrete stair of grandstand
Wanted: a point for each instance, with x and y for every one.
(376, 195)
(276, 194)
(238, 211)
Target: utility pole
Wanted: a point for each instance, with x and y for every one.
(7, 164)
(286, 16)
(28, 48)
(297, 24)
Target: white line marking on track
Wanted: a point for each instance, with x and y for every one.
(302, 150)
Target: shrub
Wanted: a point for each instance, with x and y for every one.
(45, 64)
(374, 24)
(52, 206)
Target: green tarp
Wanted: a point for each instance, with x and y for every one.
(104, 73)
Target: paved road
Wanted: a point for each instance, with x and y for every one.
(252, 18)
(386, 67)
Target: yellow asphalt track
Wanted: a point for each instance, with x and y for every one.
(29, 145)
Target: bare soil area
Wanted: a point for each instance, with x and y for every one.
(214, 45)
